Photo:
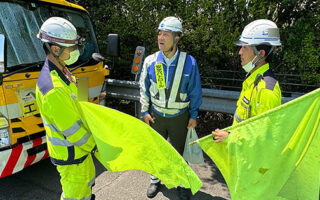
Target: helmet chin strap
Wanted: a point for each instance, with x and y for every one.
(258, 55)
(56, 57)
(256, 52)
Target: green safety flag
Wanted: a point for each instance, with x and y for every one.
(275, 155)
(126, 143)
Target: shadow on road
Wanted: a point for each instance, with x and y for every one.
(204, 196)
(216, 174)
(39, 181)
(172, 194)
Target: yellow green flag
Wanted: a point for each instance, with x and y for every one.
(126, 143)
(275, 155)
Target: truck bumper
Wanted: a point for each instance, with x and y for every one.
(21, 156)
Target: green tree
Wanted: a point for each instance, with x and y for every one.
(210, 28)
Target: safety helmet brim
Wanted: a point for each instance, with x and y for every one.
(62, 42)
(243, 43)
(240, 43)
(163, 29)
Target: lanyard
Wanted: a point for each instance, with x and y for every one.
(69, 76)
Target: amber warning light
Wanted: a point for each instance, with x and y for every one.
(138, 60)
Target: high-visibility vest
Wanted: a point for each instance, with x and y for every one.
(170, 90)
(260, 92)
(68, 141)
(170, 98)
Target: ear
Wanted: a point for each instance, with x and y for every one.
(262, 53)
(177, 39)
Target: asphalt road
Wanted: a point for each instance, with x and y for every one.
(41, 182)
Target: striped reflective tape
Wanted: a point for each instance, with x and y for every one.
(73, 129)
(84, 198)
(53, 127)
(83, 140)
(91, 182)
(236, 116)
(15, 159)
(58, 142)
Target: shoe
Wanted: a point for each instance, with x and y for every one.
(184, 193)
(153, 190)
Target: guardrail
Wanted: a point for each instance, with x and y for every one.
(212, 100)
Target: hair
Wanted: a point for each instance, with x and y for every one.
(178, 34)
(266, 48)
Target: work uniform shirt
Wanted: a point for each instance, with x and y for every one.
(190, 90)
(256, 99)
(68, 141)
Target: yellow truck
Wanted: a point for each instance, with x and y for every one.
(22, 135)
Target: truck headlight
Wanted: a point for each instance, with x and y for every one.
(5, 139)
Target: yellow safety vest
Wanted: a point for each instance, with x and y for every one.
(260, 92)
(68, 141)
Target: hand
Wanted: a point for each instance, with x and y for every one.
(147, 118)
(219, 135)
(102, 95)
(192, 123)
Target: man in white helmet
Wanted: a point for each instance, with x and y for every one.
(68, 140)
(260, 90)
(170, 91)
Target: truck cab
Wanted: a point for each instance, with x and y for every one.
(22, 135)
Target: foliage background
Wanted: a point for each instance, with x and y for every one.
(210, 28)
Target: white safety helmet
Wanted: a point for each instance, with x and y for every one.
(261, 31)
(172, 24)
(57, 30)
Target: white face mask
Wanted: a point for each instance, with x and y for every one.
(74, 55)
(249, 66)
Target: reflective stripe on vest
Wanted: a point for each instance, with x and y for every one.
(171, 102)
(91, 182)
(84, 198)
(83, 140)
(58, 142)
(53, 127)
(160, 99)
(237, 118)
(74, 128)
(68, 132)
(66, 143)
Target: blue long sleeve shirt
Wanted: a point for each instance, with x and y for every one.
(190, 90)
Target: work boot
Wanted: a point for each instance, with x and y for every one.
(184, 193)
(153, 190)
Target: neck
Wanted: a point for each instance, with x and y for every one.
(55, 62)
(263, 62)
(170, 54)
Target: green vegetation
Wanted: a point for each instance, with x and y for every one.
(210, 27)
